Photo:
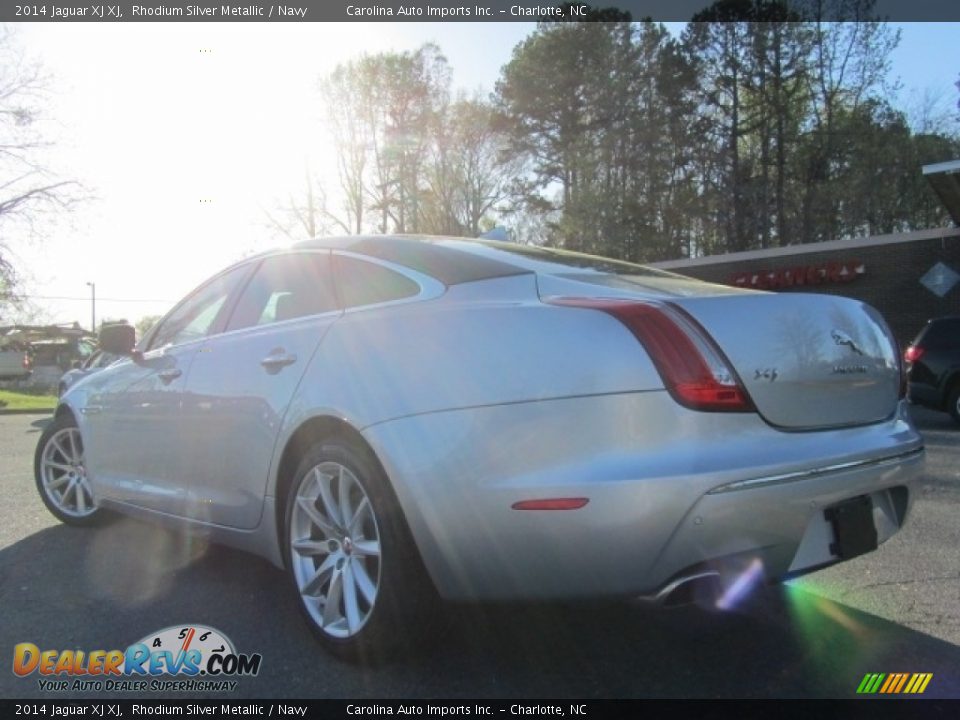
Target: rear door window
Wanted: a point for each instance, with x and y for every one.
(286, 287)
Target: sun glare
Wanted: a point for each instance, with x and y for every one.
(186, 135)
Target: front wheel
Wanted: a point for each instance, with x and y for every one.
(61, 474)
(350, 556)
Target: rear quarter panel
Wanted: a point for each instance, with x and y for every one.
(484, 343)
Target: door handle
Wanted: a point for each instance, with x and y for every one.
(169, 375)
(277, 360)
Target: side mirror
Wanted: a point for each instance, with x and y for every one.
(118, 339)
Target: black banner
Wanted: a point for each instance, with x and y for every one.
(449, 10)
(512, 709)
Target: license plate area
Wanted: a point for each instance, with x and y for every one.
(853, 529)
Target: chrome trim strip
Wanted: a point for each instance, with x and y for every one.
(815, 472)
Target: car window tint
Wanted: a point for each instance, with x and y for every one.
(364, 283)
(942, 334)
(285, 287)
(194, 318)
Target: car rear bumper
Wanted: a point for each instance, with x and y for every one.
(669, 491)
(777, 526)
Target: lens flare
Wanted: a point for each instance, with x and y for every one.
(740, 588)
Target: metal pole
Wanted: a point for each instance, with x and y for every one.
(93, 307)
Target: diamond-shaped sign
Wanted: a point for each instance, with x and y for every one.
(940, 279)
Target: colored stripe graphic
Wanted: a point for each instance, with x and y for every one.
(894, 683)
(870, 683)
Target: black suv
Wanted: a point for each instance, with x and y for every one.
(933, 366)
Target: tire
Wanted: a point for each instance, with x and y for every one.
(359, 583)
(61, 477)
(953, 402)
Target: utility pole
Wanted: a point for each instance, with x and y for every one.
(93, 307)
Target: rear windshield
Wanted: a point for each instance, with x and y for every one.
(941, 334)
(565, 260)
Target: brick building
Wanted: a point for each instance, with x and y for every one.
(909, 277)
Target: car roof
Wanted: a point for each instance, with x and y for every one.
(433, 256)
(453, 260)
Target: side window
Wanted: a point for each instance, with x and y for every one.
(364, 283)
(286, 287)
(194, 318)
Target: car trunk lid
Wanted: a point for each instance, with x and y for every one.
(807, 361)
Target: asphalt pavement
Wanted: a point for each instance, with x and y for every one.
(894, 610)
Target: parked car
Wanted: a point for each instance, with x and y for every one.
(97, 360)
(392, 419)
(15, 362)
(933, 362)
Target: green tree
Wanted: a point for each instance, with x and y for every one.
(584, 102)
(469, 171)
(145, 323)
(850, 61)
(395, 100)
(752, 60)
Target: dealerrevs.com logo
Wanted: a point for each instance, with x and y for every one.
(202, 658)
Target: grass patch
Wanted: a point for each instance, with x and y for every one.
(10, 400)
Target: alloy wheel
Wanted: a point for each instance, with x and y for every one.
(335, 549)
(63, 474)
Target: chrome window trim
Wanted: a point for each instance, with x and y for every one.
(430, 288)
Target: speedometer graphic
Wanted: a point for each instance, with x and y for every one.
(184, 649)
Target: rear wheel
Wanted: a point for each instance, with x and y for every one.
(61, 474)
(352, 561)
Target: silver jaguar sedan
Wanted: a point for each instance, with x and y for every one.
(394, 419)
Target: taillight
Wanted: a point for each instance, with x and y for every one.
(692, 367)
(551, 504)
(909, 357)
(913, 353)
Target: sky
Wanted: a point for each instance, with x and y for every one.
(186, 134)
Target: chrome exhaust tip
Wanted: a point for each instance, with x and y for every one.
(688, 589)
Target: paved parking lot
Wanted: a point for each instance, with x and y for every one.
(895, 610)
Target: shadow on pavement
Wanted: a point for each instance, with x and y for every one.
(109, 587)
